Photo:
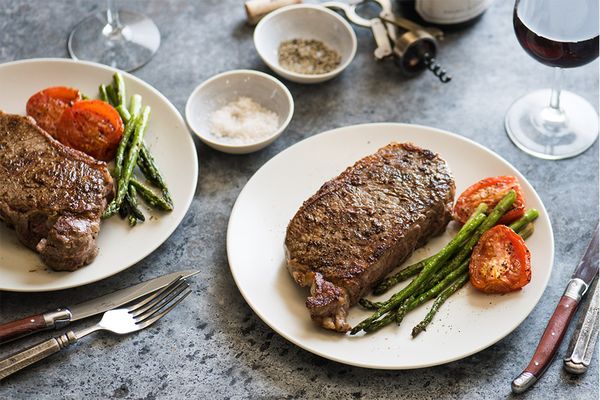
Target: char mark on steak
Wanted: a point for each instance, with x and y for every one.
(363, 223)
(53, 196)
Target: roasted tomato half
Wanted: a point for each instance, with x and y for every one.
(490, 191)
(500, 262)
(91, 126)
(48, 105)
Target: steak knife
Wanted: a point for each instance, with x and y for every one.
(582, 278)
(63, 316)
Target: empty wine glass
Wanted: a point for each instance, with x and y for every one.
(554, 123)
(121, 39)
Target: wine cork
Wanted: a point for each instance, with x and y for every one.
(256, 9)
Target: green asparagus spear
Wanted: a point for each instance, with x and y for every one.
(413, 303)
(129, 128)
(132, 220)
(111, 95)
(124, 209)
(125, 116)
(151, 172)
(400, 276)
(103, 94)
(529, 216)
(449, 291)
(129, 163)
(526, 231)
(149, 197)
(135, 104)
(133, 204)
(119, 88)
(381, 322)
(465, 252)
(430, 268)
(523, 231)
(439, 287)
(435, 288)
(414, 269)
(369, 305)
(127, 206)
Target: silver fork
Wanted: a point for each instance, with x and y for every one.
(121, 321)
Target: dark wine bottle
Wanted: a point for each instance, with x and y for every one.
(445, 14)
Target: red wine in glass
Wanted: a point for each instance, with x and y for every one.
(554, 123)
(551, 45)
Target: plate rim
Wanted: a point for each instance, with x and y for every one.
(543, 214)
(170, 106)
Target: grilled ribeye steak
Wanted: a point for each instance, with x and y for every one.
(53, 196)
(363, 223)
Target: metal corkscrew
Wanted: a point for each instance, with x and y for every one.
(436, 68)
(413, 50)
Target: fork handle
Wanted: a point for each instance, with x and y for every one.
(25, 358)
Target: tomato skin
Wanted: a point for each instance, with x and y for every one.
(490, 191)
(501, 261)
(48, 105)
(93, 127)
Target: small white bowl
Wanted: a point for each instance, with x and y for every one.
(304, 21)
(226, 87)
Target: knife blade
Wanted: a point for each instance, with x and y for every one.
(559, 322)
(581, 349)
(63, 316)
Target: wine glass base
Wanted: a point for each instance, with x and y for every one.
(128, 49)
(540, 131)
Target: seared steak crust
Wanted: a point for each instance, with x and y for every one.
(53, 196)
(363, 223)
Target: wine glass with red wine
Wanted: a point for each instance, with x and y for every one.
(121, 39)
(554, 123)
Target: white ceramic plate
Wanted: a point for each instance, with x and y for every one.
(21, 270)
(467, 323)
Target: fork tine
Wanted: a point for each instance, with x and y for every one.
(154, 295)
(159, 303)
(149, 321)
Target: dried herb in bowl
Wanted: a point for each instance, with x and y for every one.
(308, 56)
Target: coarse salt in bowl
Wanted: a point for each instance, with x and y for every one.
(209, 107)
(304, 21)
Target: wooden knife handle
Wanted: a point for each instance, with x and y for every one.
(22, 327)
(553, 336)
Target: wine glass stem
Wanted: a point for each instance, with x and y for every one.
(112, 17)
(556, 87)
(551, 120)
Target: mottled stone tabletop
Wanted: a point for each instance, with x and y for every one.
(214, 346)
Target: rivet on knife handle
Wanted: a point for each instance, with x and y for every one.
(584, 339)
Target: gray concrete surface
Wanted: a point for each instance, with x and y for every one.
(214, 346)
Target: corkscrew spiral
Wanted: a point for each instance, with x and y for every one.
(436, 68)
